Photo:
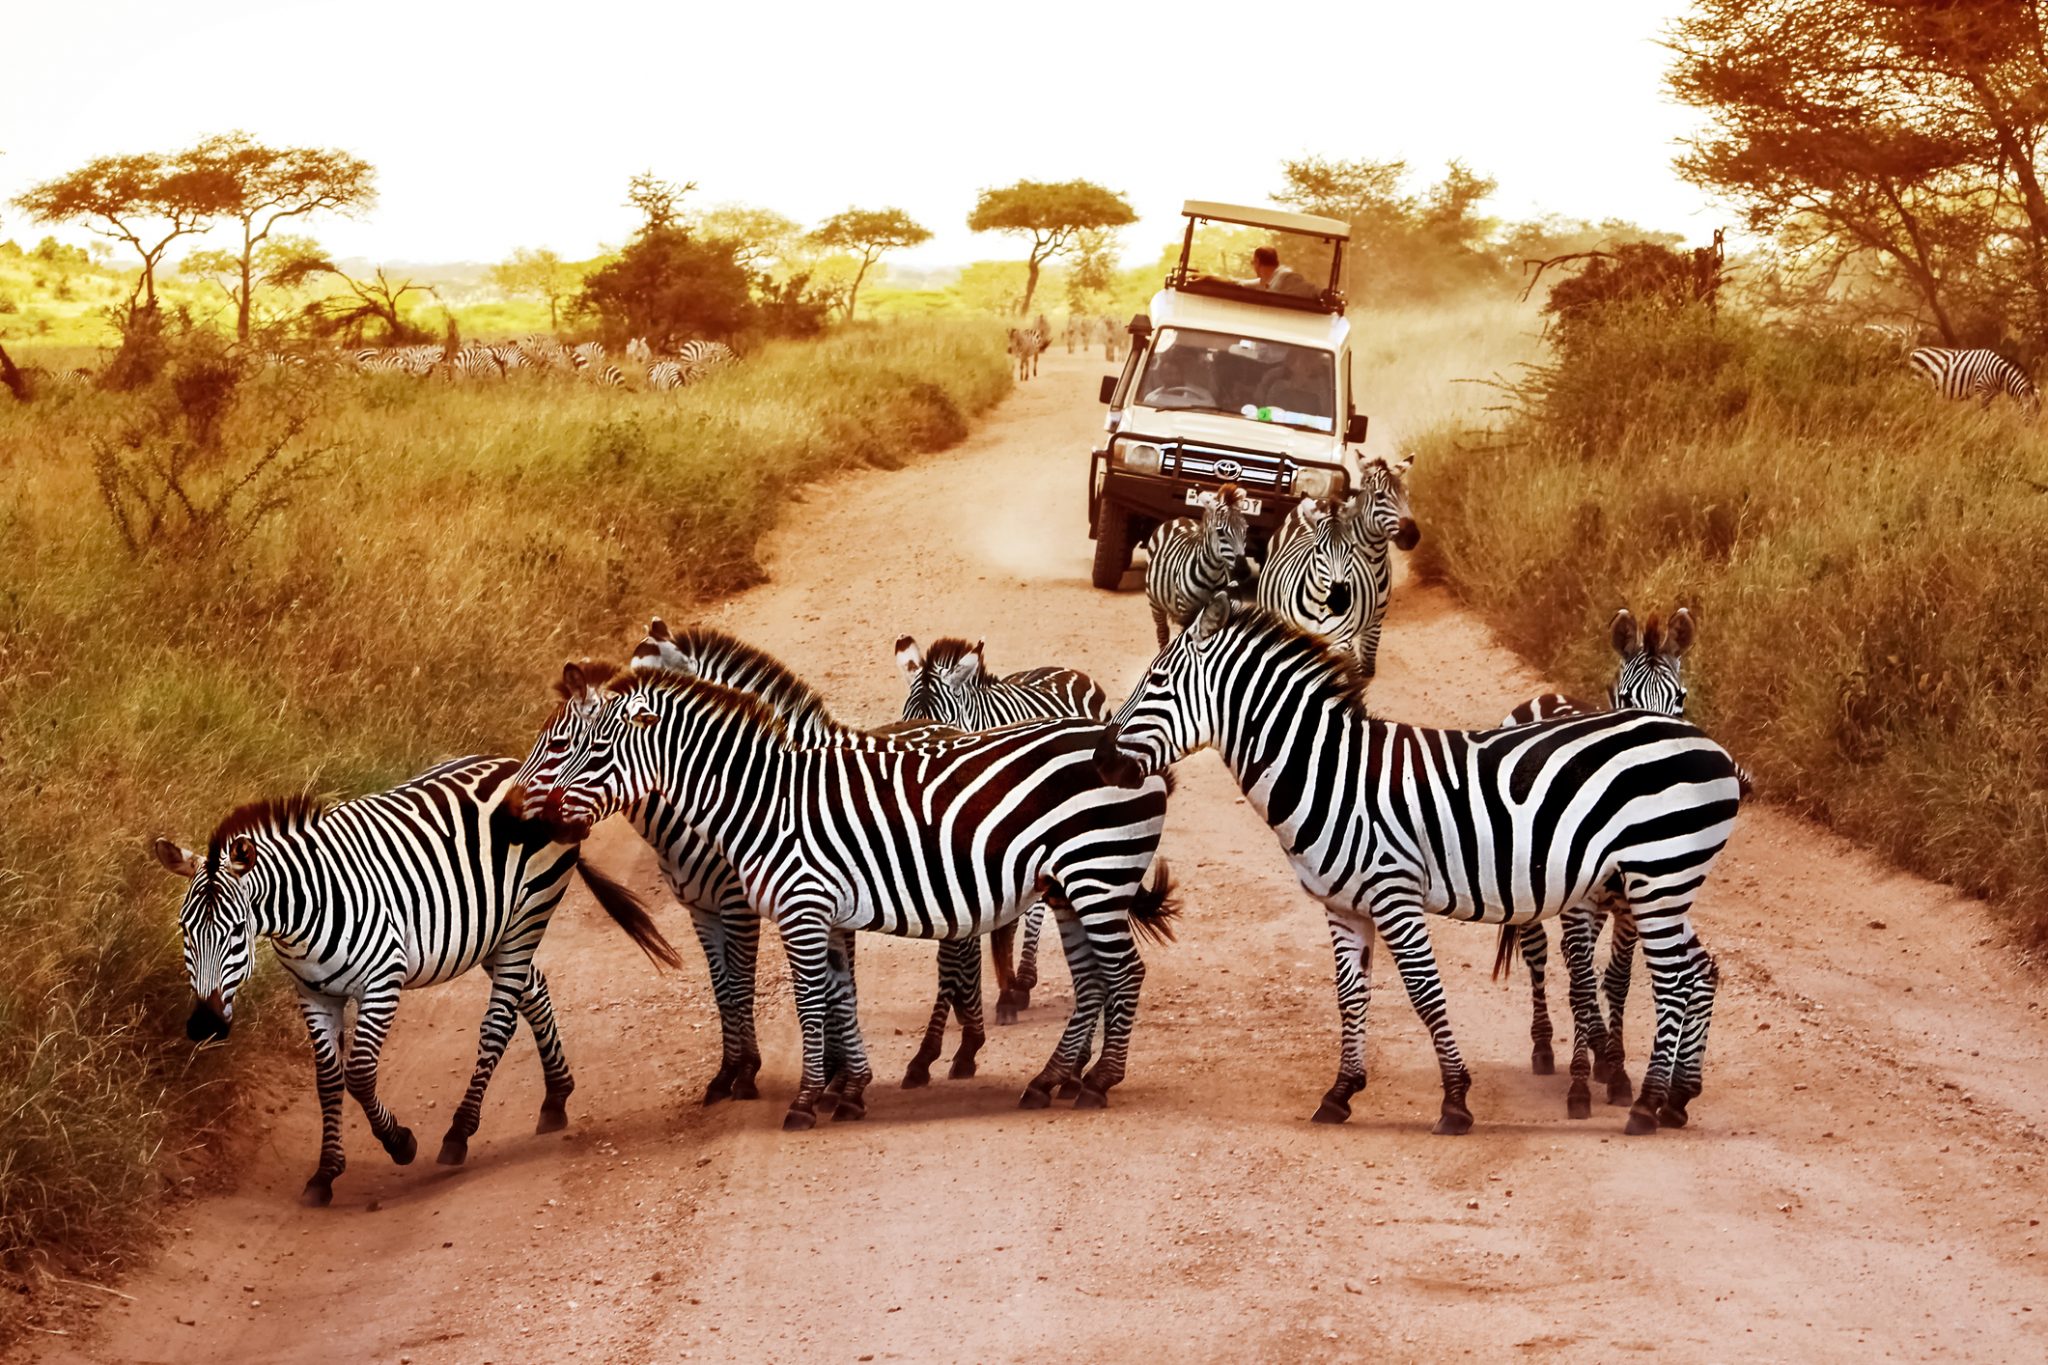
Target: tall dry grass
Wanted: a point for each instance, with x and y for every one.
(436, 551)
(1869, 565)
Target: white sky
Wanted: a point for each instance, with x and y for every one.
(513, 124)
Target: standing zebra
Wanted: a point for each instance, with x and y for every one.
(409, 887)
(666, 374)
(1650, 678)
(932, 838)
(701, 359)
(1386, 823)
(1188, 562)
(474, 362)
(951, 686)
(1025, 344)
(1978, 374)
(1328, 569)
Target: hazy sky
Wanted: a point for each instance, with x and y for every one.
(507, 124)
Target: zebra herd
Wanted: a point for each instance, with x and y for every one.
(542, 354)
(992, 801)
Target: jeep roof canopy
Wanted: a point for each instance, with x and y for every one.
(1332, 232)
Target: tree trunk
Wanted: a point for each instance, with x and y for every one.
(242, 302)
(12, 379)
(853, 294)
(1030, 285)
(552, 325)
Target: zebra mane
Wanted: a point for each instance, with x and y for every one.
(1290, 644)
(945, 654)
(278, 815)
(596, 674)
(793, 700)
(718, 698)
(1653, 636)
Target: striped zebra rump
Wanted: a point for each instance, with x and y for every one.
(1980, 374)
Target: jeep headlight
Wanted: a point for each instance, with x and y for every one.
(1321, 484)
(1139, 457)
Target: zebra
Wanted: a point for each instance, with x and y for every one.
(701, 359)
(639, 352)
(934, 837)
(1978, 374)
(1327, 569)
(1026, 343)
(589, 359)
(1188, 561)
(1109, 336)
(1385, 823)
(417, 361)
(667, 374)
(408, 887)
(1650, 678)
(951, 686)
(474, 362)
(511, 356)
(543, 352)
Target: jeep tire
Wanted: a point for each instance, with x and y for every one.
(1112, 545)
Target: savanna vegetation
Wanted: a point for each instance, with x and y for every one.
(224, 583)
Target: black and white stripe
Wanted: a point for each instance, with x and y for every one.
(944, 838)
(1976, 374)
(702, 359)
(1386, 824)
(409, 887)
(1027, 344)
(1328, 569)
(1189, 561)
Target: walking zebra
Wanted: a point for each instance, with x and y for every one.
(1328, 569)
(474, 362)
(405, 888)
(951, 686)
(418, 361)
(1188, 562)
(663, 375)
(1385, 823)
(1979, 374)
(701, 359)
(1650, 678)
(1026, 343)
(943, 838)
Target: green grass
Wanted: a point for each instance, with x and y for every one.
(1867, 562)
(411, 602)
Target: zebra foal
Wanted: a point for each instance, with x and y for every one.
(1189, 561)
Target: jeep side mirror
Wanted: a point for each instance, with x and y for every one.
(1354, 430)
(1108, 387)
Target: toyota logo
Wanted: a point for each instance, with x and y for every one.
(1229, 470)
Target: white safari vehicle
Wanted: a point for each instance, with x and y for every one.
(1228, 382)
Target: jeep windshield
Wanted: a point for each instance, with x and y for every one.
(1272, 381)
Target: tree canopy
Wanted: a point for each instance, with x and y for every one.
(147, 200)
(537, 274)
(1051, 214)
(1404, 243)
(868, 233)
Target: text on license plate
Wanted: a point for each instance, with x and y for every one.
(1203, 497)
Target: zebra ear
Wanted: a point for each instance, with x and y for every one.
(909, 657)
(1627, 636)
(971, 665)
(175, 858)
(241, 854)
(1212, 618)
(572, 680)
(1311, 511)
(1682, 629)
(657, 629)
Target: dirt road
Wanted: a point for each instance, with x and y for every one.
(1863, 1177)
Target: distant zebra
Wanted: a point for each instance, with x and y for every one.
(1189, 561)
(409, 887)
(589, 360)
(702, 359)
(951, 686)
(943, 838)
(1978, 374)
(474, 362)
(1650, 678)
(1328, 569)
(666, 374)
(418, 361)
(1110, 333)
(511, 356)
(544, 352)
(638, 351)
(1387, 823)
(1026, 344)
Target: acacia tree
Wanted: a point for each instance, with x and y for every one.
(538, 274)
(1051, 214)
(1912, 133)
(1417, 243)
(377, 299)
(868, 233)
(761, 237)
(148, 201)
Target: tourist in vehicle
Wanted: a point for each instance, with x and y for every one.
(1280, 279)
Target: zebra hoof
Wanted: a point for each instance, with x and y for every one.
(402, 1145)
(454, 1150)
(1601, 1071)
(799, 1120)
(1578, 1103)
(1331, 1111)
(1006, 1008)
(319, 1192)
(849, 1110)
(1672, 1114)
(1454, 1121)
(743, 1087)
(1641, 1119)
(1619, 1089)
(720, 1088)
(962, 1069)
(1066, 1090)
(1542, 1061)
(918, 1076)
(1035, 1096)
(1090, 1098)
(554, 1116)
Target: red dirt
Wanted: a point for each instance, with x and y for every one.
(1862, 1178)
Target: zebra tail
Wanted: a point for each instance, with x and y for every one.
(1115, 767)
(1504, 954)
(1155, 907)
(1744, 783)
(629, 914)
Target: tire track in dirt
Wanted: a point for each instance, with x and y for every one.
(1863, 1178)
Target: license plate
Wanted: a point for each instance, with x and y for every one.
(1202, 497)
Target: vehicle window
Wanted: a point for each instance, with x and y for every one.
(1192, 370)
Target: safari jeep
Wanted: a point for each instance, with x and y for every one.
(1228, 381)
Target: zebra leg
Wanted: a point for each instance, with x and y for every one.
(1062, 1073)
(323, 1015)
(1027, 955)
(1121, 974)
(1674, 955)
(501, 1016)
(919, 1072)
(1587, 1030)
(840, 956)
(806, 940)
(965, 985)
(539, 1013)
(1002, 954)
(1535, 942)
(1159, 624)
(742, 926)
(1367, 646)
(1351, 946)
(374, 1012)
(848, 1087)
(1692, 1042)
(1397, 913)
(1621, 958)
(710, 927)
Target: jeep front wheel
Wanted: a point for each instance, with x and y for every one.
(1112, 545)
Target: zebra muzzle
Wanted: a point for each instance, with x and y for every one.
(1407, 535)
(209, 1022)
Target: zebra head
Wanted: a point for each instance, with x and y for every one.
(1171, 713)
(1225, 533)
(1378, 510)
(1651, 678)
(613, 763)
(581, 692)
(939, 680)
